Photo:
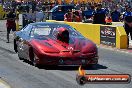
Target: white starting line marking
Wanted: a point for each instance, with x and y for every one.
(4, 84)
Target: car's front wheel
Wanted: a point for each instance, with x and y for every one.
(20, 57)
(33, 59)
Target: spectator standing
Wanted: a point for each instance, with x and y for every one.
(30, 4)
(115, 15)
(83, 4)
(120, 8)
(78, 6)
(33, 5)
(40, 16)
(78, 16)
(73, 15)
(99, 15)
(107, 10)
(33, 16)
(27, 17)
(128, 22)
(68, 16)
(88, 14)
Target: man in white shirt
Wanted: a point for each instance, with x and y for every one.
(40, 17)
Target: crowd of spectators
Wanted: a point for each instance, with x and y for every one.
(104, 12)
(86, 6)
(98, 13)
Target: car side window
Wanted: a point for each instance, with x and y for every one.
(27, 30)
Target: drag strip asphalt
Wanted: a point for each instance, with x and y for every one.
(20, 74)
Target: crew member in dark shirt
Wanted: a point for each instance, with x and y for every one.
(115, 15)
(10, 24)
(99, 15)
(128, 21)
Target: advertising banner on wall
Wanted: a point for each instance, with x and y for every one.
(108, 35)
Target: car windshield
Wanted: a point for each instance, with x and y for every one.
(42, 31)
(51, 30)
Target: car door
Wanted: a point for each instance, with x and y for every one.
(24, 41)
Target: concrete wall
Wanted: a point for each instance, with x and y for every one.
(92, 32)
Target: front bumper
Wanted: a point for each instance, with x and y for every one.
(68, 61)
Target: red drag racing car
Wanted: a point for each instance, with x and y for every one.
(48, 43)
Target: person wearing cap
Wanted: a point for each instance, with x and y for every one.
(127, 16)
(99, 15)
(10, 24)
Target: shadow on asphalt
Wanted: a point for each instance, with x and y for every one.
(73, 68)
(68, 68)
